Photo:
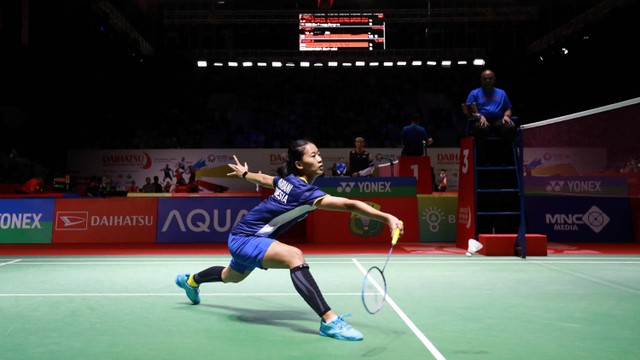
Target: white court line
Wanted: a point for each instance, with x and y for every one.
(165, 294)
(432, 349)
(117, 263)
(10, 262)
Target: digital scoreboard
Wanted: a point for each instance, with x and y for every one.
(338, 31)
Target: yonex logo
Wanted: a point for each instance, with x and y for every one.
(72, 220)
(345, 187)
(554, 186)
(577, 186)
(365, 187)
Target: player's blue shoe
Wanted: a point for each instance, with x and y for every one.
(193, 293)
(340, 329)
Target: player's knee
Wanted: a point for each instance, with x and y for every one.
(230, 275)
(296, 257)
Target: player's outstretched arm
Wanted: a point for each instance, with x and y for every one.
(337, 203)
(242, 171)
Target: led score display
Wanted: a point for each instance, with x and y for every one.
(336, 31)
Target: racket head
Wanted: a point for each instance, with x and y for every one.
(374, 290)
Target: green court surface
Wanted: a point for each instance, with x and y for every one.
(439, 307)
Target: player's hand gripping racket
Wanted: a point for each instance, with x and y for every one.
(374, 285)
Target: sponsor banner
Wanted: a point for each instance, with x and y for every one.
(211, 168)
(579, 218)
(201, 220)
(210, 165)
(446, 159)
(570, 161)
(343, 227)
(26, 220)
(437, 217)
(609, 186)
(105, 220)
(367, 186)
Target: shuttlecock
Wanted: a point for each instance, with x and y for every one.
(474, 246)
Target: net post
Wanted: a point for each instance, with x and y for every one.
(521, 238)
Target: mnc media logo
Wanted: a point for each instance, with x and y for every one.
(594, 218)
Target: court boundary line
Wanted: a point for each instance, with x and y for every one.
(421, 336)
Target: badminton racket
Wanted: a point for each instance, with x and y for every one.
(374, 284)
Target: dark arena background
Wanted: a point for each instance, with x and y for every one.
(96, 96)
(80, 74)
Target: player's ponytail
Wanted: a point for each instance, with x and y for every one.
(294, 153)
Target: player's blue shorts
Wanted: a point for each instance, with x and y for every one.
(247, 252)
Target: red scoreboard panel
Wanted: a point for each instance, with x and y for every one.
(335, 31)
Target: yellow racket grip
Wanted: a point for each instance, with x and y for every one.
(396, 235)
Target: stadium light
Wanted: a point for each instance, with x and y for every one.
(342, 63)
(478, 62)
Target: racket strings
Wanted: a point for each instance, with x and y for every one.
(374, 290)
(374, 285)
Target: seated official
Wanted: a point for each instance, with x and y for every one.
(359, 162)
(339, 168)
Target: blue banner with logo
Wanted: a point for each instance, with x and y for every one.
(607, 186)
(201, 220)
(579, 218)
(368, 186)
(578, 208)
(26, 220)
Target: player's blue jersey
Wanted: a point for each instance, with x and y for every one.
(292, 200)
